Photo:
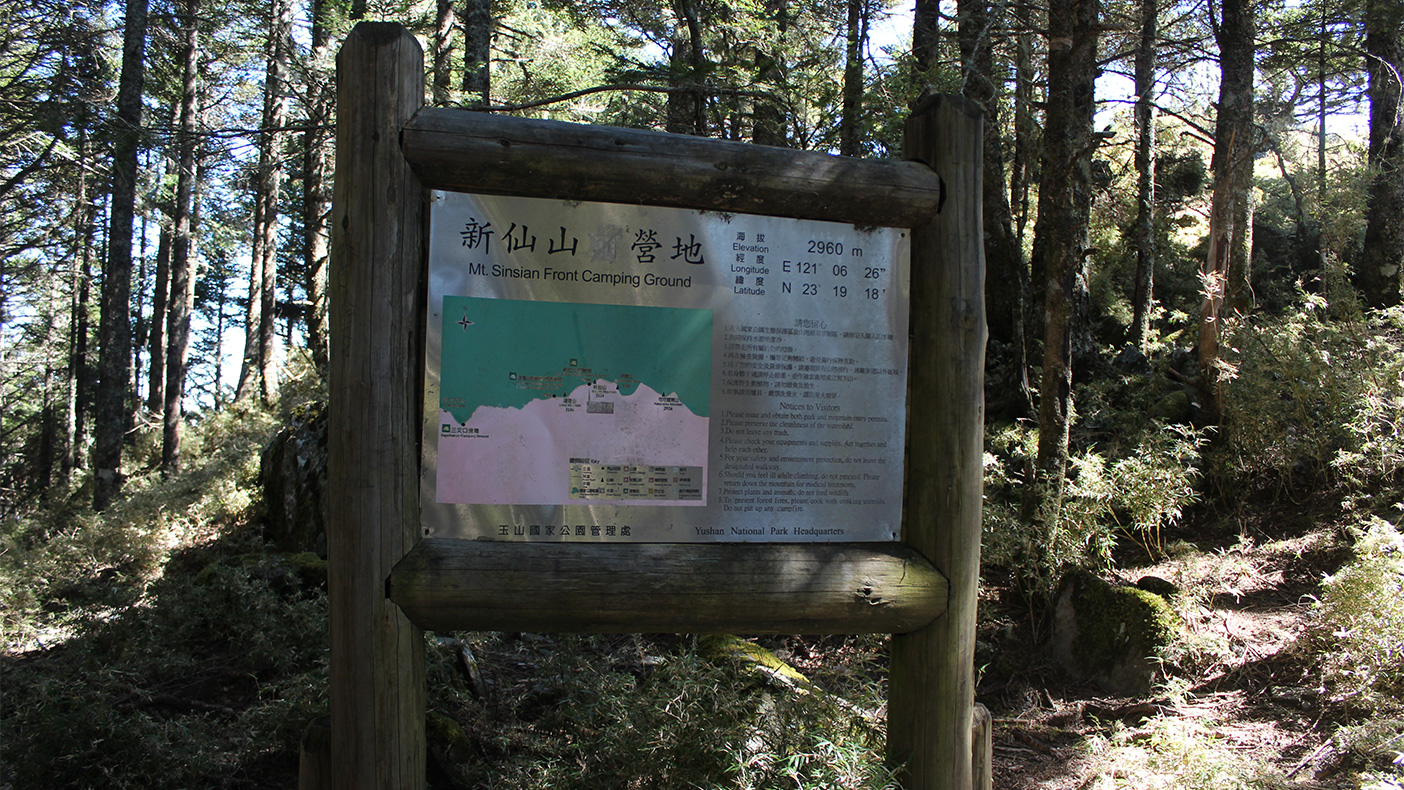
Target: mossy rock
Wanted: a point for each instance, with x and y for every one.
(446, 737)
(283, 571)
(293, 475)
(762, 662)
(1176, 408)
(311, 569)
(1110, 635)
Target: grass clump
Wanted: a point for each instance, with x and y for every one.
(143, 648)
(1360, 625)
(1311, 400)
(1182, 754)
(629, 712)
(1136, 494)
(1357, 638)
(198, 684)
(63, 565)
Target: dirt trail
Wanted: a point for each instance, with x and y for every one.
(1238, 707)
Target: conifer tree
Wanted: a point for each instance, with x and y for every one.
(182, 260)
(111, 412)
(1383, 256)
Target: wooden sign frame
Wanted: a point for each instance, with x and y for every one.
(387, 584)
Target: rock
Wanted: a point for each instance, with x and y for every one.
(1154, 584)
(293, 474)
(1110, 635)
(309, 568)
(450, 747)
(1177, 408)
(1131, 360)
(759, 661)
(285, 573)
(447, 739)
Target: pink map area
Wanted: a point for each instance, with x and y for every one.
(511, 456)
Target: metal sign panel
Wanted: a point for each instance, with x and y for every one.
(603, 372)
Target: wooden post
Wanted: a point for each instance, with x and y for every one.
(314, 766)
(932, 683)
(377, 295)
(982, 745)
(375, 381)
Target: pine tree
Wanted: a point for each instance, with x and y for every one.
(1064, 209)
(110, 407)
(1225, 274)
(182, 279)
(259, 372)
(1144, 233)
(1383, 256)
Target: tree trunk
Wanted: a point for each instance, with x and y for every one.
(316, 198)
(1007, 276)
(78, 308)
(153, 334)
(275, 108)
(1003, 259)
(1024, 133)
(248, 368)
(1321, 76)
(182, 275)
(140, 324)
(1383, 257)
(926, 39)
(851, 122)
(221, 303)
(84, 383)
(156, 339)
(110, 410)
(687, 108)
(4, 366)
(1064, 210)
(477, 52)
(1143, 237)
(443, 48)
(770, 121)
(1240, 44)
(48, 415)
(1239, 296)
(1233, 169)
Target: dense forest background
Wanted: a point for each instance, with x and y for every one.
(1194, 233)
(167, 173)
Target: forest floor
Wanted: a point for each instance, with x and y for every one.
(1240, 708)
(211, 673)
(1239, 705)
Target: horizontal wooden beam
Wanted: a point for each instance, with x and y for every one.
(465, 151)
(755, 588)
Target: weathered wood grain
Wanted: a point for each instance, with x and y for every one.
(982, 749)
(815, 588)
(467, 151)
(932, 681)
(376, 307)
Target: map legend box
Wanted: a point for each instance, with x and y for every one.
(615, 481)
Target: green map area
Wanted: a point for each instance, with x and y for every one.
(508, 353)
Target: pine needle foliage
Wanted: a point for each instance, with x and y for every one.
(158, 644)
(1360, 625)
(632, 712)
(1313, 399)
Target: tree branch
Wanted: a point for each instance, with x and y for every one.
(28, 169)
(1202, 133)
(625, 86)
